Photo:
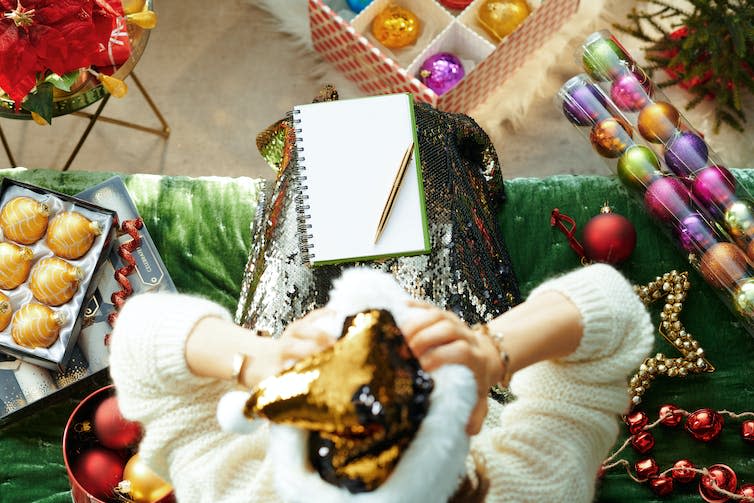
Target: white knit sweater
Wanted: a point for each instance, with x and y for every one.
(547, 445)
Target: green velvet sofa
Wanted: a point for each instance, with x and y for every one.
(201, 227)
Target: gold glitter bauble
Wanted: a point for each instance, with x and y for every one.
(24, 220)
(658, 122)
(54, 281)
(501, 17)
(143, 484)
(15, 264)
(723, 264)
(71, 234)
(611, 137)
(363, 399)
(36, 326)
(5, 311)
(396, 27)
(743, 298)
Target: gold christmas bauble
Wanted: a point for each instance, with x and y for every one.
(739, 219)
(611, 137)
(54, 281)
(24, 220)
(722, 265)
(501, 17)
(131, 6)
(36, 326)
(658, 122)
(15, 264)
(6, 311)
(396, 27)
(743, 298)
(141, 484)
(71, 234)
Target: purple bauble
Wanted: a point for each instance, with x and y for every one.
(686, 153)
(441, 72)
(714, 187)
(632, 91)
(583, 102)
(694, 234)
(668, 199)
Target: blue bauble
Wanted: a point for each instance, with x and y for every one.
(358, 5)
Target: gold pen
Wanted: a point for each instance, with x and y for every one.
(393, 192)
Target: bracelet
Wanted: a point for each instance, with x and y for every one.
(498, 342)
(239, 362)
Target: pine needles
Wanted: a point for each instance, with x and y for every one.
(708, 50)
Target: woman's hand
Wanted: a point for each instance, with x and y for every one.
(438, 337)
(300, 339)
(213, 343)
(304, 337)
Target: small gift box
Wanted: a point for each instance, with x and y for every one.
(51, 249)
(487, 61)
(117, 50)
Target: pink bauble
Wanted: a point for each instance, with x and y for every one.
(714, 187)
(667, 199)
(632, 91)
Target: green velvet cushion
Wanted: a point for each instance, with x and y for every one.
(201, 227)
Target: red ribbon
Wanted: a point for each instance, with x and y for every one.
(556, 220)
(130, 227)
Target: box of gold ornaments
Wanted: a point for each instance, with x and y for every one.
(131, 266)
(450, 53)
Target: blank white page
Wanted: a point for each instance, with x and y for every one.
(352, 150)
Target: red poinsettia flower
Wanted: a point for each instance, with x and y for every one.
(41, 35)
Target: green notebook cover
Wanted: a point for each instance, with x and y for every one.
(348, 154)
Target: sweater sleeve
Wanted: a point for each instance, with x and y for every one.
(183, 442)
(551, 440)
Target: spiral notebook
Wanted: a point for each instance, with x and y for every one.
(348, 154)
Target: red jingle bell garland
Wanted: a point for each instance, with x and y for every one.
(717, 483)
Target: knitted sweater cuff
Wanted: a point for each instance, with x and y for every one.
(148, 343)
(602, 295)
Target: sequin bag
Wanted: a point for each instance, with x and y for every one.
(468, 270)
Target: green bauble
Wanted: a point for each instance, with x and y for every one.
(743, 298)
(739, 219)
(638, 167)
(603, 58)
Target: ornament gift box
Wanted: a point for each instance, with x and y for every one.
(25, 387)
(376, 69)
(104, 464)
(51, 250)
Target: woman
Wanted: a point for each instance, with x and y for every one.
(569, 349)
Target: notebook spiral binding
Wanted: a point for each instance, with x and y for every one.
(303, 227)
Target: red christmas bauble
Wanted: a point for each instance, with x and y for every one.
(646, 468)
(643, 442)
(636, 421)
(747, 430)
(704, 424)
(682, 471)
(112, 429)
(609, 238)
(723, 477)
(662, 486)
(669, 415)
(746, 490)
(98, 471)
